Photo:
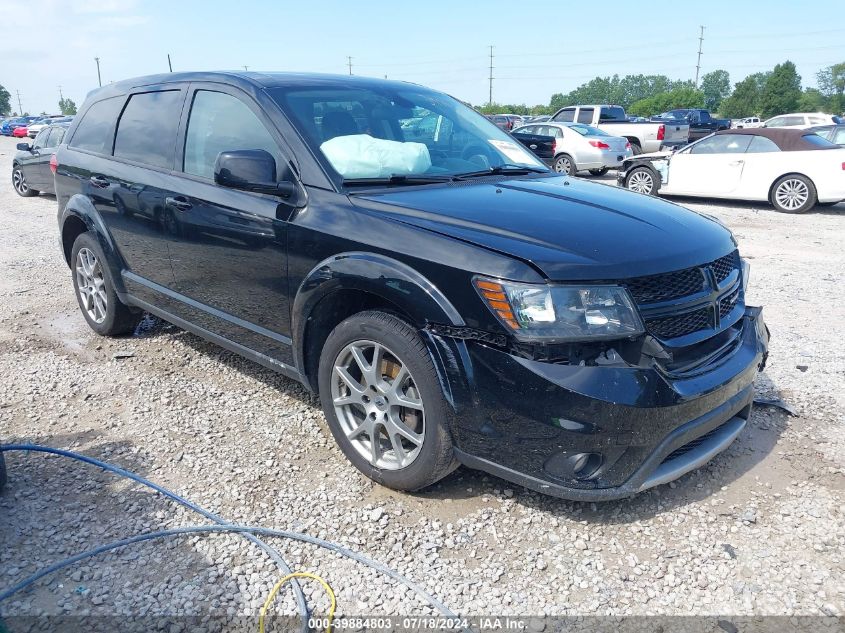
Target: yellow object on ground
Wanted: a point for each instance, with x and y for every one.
(298, 574)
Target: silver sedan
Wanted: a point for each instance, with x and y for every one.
(574, 147)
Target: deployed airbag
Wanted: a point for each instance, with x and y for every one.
(362, 156)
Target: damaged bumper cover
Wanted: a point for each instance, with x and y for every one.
(598, 431)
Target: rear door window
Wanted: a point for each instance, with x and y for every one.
(585, 115)
(146, 132)
(94, 133)
(760, 145)
(220, 122)
(56, 136)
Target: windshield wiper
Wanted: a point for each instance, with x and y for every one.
(398, 179)
(504, 169)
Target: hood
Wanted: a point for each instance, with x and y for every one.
(567, 228)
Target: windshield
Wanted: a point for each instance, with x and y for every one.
(395, 130)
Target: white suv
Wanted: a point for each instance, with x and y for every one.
(802, 120)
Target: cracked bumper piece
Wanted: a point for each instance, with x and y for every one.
(605, 432)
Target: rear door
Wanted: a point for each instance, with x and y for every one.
(229, 252)
(30, 163)
(533, 138)
(55, 135)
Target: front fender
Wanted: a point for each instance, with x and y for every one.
(382, 276)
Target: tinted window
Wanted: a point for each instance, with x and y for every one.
(722, 144)
(585, 115)
(146, 132)
(839, 136)
(95, 130)
(613, 113)
(565, 115)
(760, 144)
(56, 136)
(41, 138)
(220, 122)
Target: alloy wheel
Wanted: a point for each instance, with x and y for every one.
(19, 182)
(91, 285)
(792, 194)
(641, 182)
(563, 165)
(378, 405)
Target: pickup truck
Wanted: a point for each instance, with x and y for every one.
(701, 122)
(644, 137)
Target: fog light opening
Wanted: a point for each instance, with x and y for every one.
(585, 465)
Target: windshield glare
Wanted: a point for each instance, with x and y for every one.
(384, 131)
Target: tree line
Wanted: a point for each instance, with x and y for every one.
(66, 106)
(764, 94)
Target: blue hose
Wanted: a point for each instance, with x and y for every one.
(274, 555)
(249, 532)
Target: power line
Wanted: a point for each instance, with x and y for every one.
(698, 63)
(491, 76)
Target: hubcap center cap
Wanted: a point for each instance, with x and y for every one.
(381, 403)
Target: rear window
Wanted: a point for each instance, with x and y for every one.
(612, 113)
(588, 130)
(94, 133)
(815, 139)
(146, 132)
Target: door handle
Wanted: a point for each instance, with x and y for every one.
(178, 202)
(532, 146)
(101, 182)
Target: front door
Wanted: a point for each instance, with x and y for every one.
(712, 166)
(228, 251)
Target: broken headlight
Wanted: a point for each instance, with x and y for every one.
(555, 313)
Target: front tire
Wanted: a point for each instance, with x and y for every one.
(95, 290)
(383, 401)
(642, 180)
(565, 165)
(793, 194)
(20, 185)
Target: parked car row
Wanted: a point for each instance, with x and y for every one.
(21, 127)
(572, 147)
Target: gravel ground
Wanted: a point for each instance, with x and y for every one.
(759, 531)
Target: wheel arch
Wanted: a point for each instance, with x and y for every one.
(80, 216)
(347, 283)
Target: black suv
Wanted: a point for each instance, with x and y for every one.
(451, 299)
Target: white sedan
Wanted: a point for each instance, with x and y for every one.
(792, 169)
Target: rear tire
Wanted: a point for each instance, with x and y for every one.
(636, 148)
(406, 448)
(642, 180)
(793, 194)
(95, 289)
(564, 164)
(599, 172)
(20, 185)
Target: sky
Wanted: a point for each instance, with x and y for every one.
(547, 48)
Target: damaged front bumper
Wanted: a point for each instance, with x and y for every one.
(600, 431)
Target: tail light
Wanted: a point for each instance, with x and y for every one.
(628, 145)
(54, 164)
(661, 132)
(843, 166)
(600, 144)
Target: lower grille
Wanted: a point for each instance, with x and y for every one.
(693, 444)
(680, 325)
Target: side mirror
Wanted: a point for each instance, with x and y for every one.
(250, 170)
(24, 147)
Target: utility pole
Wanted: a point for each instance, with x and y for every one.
(99, 79)
(349, 62)
(20, 107)
(698, 64)
(61, 96)
(169, 65)
(246, 67)
(490, 99)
